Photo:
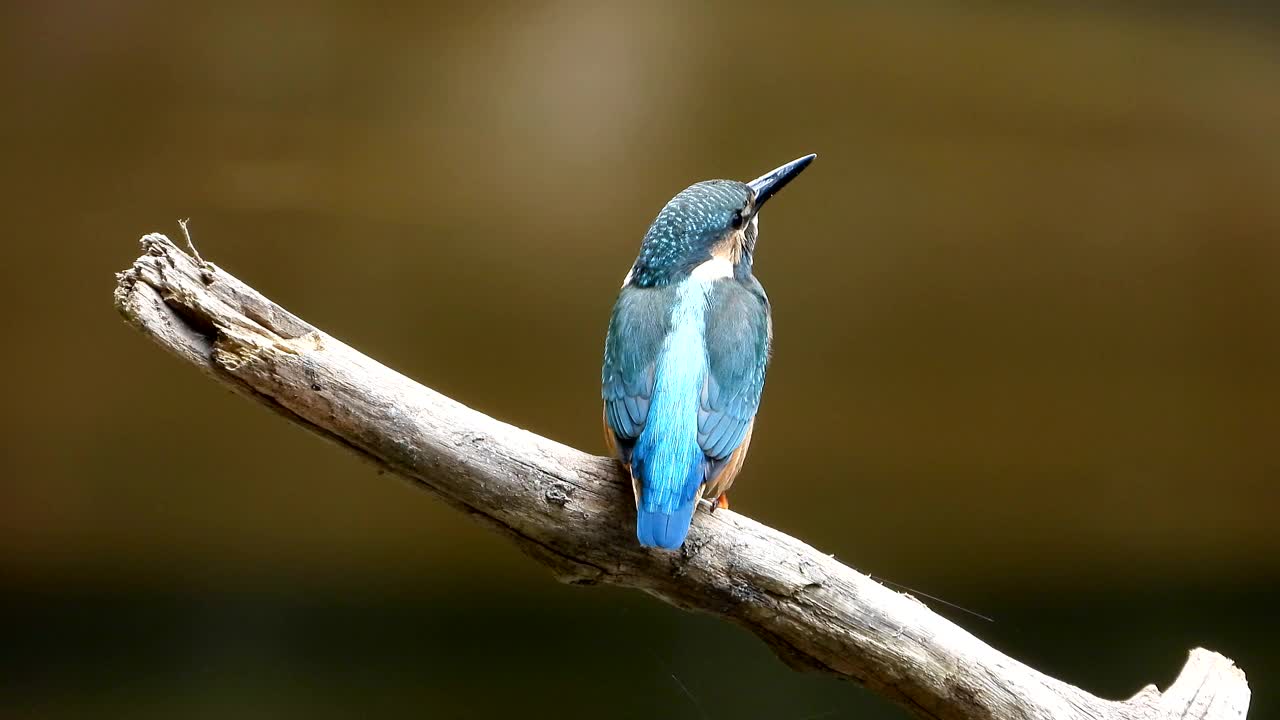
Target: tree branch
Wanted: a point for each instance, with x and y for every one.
(573, 512)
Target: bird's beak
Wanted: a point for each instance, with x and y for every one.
(771, 182)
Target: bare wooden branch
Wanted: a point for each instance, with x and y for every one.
(573, 512)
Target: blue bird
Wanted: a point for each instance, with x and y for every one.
(686, 352)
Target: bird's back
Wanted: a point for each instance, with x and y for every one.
(684, 367)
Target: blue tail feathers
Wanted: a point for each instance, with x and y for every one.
(671, 475)
(666, 530)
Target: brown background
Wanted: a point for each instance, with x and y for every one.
(1026, 309)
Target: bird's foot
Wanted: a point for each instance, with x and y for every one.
(720, 503)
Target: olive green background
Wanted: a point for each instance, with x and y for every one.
(1027, 335)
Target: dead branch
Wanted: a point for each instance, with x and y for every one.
(573, 512)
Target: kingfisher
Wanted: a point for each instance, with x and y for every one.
(686, 352)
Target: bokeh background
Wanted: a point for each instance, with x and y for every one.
(1026, 304)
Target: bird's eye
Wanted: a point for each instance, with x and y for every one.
(739, 219)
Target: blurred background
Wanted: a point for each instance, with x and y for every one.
(1026, 305)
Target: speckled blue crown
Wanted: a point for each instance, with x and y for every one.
(682, 234)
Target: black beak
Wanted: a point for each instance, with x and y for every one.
(770, 183)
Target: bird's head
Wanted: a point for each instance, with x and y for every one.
(709, 230)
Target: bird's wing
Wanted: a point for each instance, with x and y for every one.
(739, 333)
(640, 321)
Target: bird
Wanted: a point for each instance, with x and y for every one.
(688, 344)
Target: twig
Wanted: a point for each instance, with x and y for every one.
(186, 232)
(573, 512)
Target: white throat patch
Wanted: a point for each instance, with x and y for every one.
(713, 269)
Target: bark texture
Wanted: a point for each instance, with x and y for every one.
(573, 512)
